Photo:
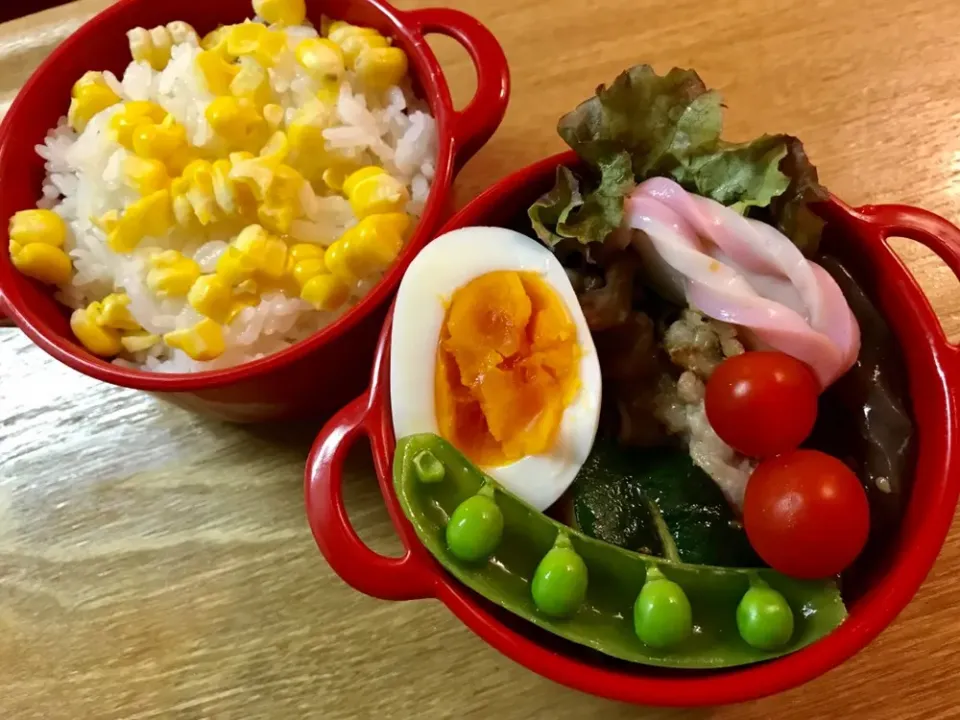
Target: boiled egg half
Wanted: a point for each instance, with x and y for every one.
(491, 351)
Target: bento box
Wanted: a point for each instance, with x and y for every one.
(875, 592)
(194, 142)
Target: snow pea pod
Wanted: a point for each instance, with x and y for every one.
(604, 619)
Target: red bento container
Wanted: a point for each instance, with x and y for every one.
(288, 383)
(855, 235)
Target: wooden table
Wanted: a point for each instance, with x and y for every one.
(155, 565)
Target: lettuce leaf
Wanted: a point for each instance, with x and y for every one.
(644, 125)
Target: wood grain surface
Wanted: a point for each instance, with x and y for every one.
(156, 565)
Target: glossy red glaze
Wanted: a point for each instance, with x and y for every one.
(934, 366)
(320, 374)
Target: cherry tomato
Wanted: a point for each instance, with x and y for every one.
(762, 403)
(806, 514)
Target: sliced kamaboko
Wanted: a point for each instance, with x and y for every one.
(743, 272)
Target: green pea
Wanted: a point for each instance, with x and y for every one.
(661, 615)
(764, 618)
(475, 527)
(428, 468)
(560, 580)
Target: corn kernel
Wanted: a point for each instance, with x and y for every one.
(325, 292)
(352, 40)
(133, 115)
(138, 342)
(367, 248)
(200, 192)
(371, 190)
(216, 40)
(172, 275)
(183, 32)
(252, 83)
(145, 176)
(308, 268)
(38, 226)
(238, 306)
(282, 12)
(102, 341)
(108, 221)
(359, 176)
(211, 296)
(114, 313)
(329, 92)
(91, 95)
(381, 67)
(321, 57)
(150, 46)
(216, 72)
(47, 263)
(150, 216)
(203, 342)
(307, 146)
(234, 267)
(237, 121)
(268, 254)
(257, 41)
(161, 141)
(303, 251)
(274, 115)
(334, 177)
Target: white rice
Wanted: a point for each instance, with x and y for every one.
(84, 180)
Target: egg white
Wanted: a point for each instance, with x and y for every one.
(445, 265)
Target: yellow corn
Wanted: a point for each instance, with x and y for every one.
(154, 46)
(274, 115)
(252, 83)
(150, 216)
(124, 124)
(266, 253)
(200, 190)
(367, 248)
(281, 12)
(234, 267)
(321, 57)
(381, 67)
(237, 121)
(91, 95)
(211, 296)
(325, 292)
(216, 40)
(257, 41)
(203, 342)
(304, 251)
(99, 340)
(216, 72)
(307, 146)
(172, 274)
(371, 190)
(47, 263)
(239, 305)
(145, 176)
(138, 342)
(114, 313)
(281, 202)
(38, 226)
(329, 92)
(334, 177)
(353, 39)
(161, 141)
(307, 269)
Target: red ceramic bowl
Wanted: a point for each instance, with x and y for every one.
(859, 236)
(287, 383)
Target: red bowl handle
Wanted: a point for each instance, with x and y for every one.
(388, 578)
(935, 233)
(477, 122)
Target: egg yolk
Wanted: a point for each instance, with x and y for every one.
(507, 367)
